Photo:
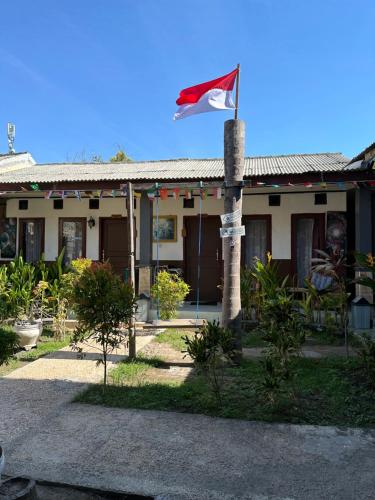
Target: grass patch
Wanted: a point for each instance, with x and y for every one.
(328, 391)
(253, 338)
(45, 345)
(174, 338)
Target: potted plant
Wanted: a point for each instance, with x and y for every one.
(169, 291)
(27, 327)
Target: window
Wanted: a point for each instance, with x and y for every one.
(23, 204)
(31, 239)
(274, 200)
(257, 240)
(189, 203)
(320, 198)
(308, 235)
(93, 204)
(58, 204)
(72, 237)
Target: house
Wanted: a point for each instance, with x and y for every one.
(361, 206)
(292, 204)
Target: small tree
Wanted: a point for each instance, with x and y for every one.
(102, 302)
(169, 290)
(120, 157)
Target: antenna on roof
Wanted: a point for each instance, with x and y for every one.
(11, 132)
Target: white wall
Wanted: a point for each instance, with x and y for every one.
(252, 205)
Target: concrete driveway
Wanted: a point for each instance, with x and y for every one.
(177, 456)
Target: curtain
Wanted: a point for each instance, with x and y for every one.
(255, 240)
(32, 241)
(72, 240)
(305, 234)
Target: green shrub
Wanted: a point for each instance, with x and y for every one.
(210, 348)
(366, 352)
(210, 338)
(283, 331)
(8, 345)
(169, 290)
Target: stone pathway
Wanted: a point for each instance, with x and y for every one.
(314, 352)
(66, 364)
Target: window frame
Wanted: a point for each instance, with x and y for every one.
(265, 217)
(84, 231)
(21, 233)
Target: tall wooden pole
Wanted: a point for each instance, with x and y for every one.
(234, 140)
(131, 265)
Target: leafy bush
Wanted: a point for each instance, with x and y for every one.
(366, 352)
(211, 337)
(169, 290)
(282, 329)
(209, 348)
(102, 302)
(8, 345)
(248, 292)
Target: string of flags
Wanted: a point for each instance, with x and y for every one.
(165, 192)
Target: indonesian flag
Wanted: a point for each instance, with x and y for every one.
(215, 95)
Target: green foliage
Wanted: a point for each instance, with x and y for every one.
(120, 157)
(367, 262)
(174, 338)
(327, 392)
(283, 330)
(210, 338)
(102, 303)
(8, 345)
(248, 292)
(210, 348)
(169, 290)
(366, 352)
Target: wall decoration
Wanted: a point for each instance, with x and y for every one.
(336, 232)
(167, 229)
(8, 238)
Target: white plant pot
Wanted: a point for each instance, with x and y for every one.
(40, 325)
(28, 334)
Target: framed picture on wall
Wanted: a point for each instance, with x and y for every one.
(8, 238)
(167, 230)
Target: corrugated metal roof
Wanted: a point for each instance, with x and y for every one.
(175, 169)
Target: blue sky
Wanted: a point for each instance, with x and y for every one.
(83, 77)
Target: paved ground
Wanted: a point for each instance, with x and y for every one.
(176, 456)
(311, 351)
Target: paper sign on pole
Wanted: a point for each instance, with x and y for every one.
(228, 232)
(230, 217)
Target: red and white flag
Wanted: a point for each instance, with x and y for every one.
(214, 95)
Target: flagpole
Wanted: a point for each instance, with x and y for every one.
(237, 89)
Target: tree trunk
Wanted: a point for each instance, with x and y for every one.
(234, 139)
(131, 251)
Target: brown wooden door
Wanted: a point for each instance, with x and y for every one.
(210, 260)
(114, 243)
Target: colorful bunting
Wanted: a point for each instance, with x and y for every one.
(188, 194)
(137, 194)
(217, 193)
(78, 195)
(308, 184)
(34, 186)
(151, 194)
(323, 185)
(176, 193)
(203, 193)
(48, 195)
(163, 192)
(341, 185)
